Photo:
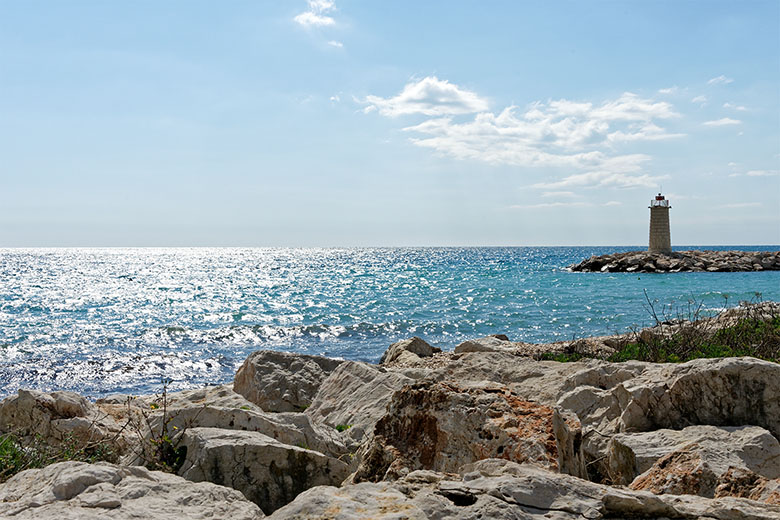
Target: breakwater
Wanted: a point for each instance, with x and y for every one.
(681, 261)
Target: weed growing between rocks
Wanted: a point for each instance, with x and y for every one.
(18, 453)
(161, 449)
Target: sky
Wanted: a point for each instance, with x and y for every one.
(405, 123)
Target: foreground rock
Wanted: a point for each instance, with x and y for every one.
(280, 381)
(681, 261)
(65, 417)
(717, 450)
(76, 490)
(442, 426)
(267, 472)
(353, 398)
(494, 488)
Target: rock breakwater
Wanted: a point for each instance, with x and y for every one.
(486, 431)
(681, 261)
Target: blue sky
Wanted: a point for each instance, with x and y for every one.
(354, 123)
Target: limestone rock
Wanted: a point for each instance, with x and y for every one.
(296, 429)
(408, 350)
(486, 344)
(77, 490)
(722, 449)
(355, 397)
(267, 472)
(61, 416)
(494, 488)
(280, 381)
(441, 426)
(717, 392)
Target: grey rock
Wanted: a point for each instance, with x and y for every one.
(77, 490)
(408, 350)
(267, 472)
(721, 448)
(280, 381)
(355, 395)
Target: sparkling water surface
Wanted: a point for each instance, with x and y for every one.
(98, 321)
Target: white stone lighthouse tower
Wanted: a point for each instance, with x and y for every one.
(660, 237)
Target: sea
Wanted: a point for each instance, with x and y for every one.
(125, 320)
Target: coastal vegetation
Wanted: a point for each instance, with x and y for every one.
(18, 453)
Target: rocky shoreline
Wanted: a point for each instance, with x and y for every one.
(486, 431)
(681, 261)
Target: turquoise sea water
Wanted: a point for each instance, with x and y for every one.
(98, 321)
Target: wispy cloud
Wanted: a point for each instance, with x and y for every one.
(762, 173)
(576, 135)
(743, 205)
(316, 15)
(337, 44)
(558, 194)
(564, 204)
(702, 100)
(670, 90)
(734, 107)
(725, 121)
(429, 96)
(720, 80)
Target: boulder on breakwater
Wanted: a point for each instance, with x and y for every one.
(681, 261)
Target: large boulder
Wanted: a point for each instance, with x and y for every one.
(704, 469)
(408, 351)
(720, 449)
(77, 490)
(66, 417)
(354, 397)
(280, 381)
(717, 392)
(296, 429)
(442, 426)
(267, 472)
(494, 488)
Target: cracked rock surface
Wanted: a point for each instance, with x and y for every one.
(76, 490)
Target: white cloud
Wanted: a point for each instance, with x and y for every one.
(732, 164)
(702, 100)
(551, 205)
(743, 205)
(720, 80)
(575, 135)
(558, 194)
(603, 179)
(734, 107)
(429, 96)
(337, 44)
(310, 19)
(613, 203)
(726, 121)
(763, 173)
(315, 16)
(670, 90)
(335, 98)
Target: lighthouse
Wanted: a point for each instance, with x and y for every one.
(660, 237)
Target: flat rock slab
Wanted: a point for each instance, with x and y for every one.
(81, 491)
(494, 488)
